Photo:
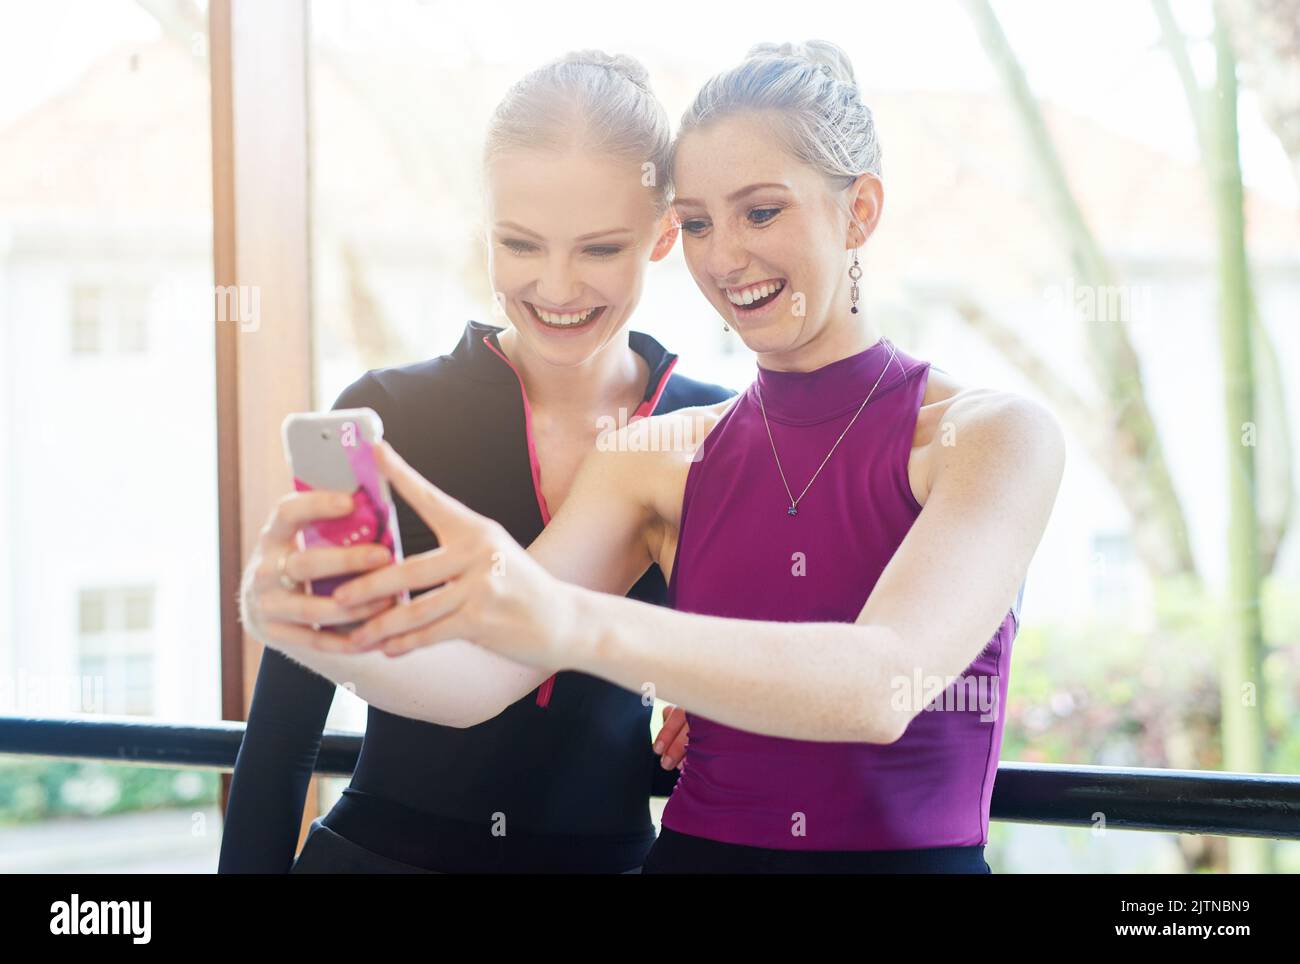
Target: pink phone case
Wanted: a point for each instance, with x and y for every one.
(335, 450)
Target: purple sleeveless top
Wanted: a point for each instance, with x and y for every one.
(741, 555)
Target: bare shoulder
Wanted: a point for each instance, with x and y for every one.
(997, 425)
(986, 430)
(646, 456)
(684, 428)
(944, 397)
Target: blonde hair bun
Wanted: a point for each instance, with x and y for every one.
(602, 101)
(628, 67)
(832, 59)
(812, 88)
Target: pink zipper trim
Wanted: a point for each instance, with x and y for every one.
(645, 408)
(648, 407)
(543, 691)
(533, 464)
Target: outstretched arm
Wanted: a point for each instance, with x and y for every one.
(598, 544)
(455, 684)
(990, 498)
(934, 608)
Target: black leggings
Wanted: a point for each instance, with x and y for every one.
(679, 853)
(329, 852)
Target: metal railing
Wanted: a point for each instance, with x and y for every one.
(1128, 798)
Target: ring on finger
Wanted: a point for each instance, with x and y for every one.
(287, 581)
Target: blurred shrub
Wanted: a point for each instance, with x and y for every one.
(1102, 693)
(33, 789)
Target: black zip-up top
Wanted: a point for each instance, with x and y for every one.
(558, 781)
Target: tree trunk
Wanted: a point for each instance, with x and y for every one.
(1276, 503)
(1242, 681)
(1131, 451)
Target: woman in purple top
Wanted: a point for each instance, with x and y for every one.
(844, 540)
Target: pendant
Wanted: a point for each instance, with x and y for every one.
(792, 510)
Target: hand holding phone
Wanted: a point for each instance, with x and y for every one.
(335, 451)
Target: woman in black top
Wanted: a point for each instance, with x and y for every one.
(559, 781)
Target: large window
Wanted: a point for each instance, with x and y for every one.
(108, 550)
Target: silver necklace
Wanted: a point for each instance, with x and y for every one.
(793, 508)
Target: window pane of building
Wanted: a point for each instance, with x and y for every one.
(108, 572)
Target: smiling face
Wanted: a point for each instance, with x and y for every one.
(570, 234)
(767, 239)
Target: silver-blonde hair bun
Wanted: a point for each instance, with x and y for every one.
(598, 100)
(812, 88)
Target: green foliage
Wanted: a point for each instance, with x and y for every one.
(1106, 693)
(34, 789)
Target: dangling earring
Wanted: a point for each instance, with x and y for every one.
(724, 327)
(855, 273)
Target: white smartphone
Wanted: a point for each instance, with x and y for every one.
(335, 451)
